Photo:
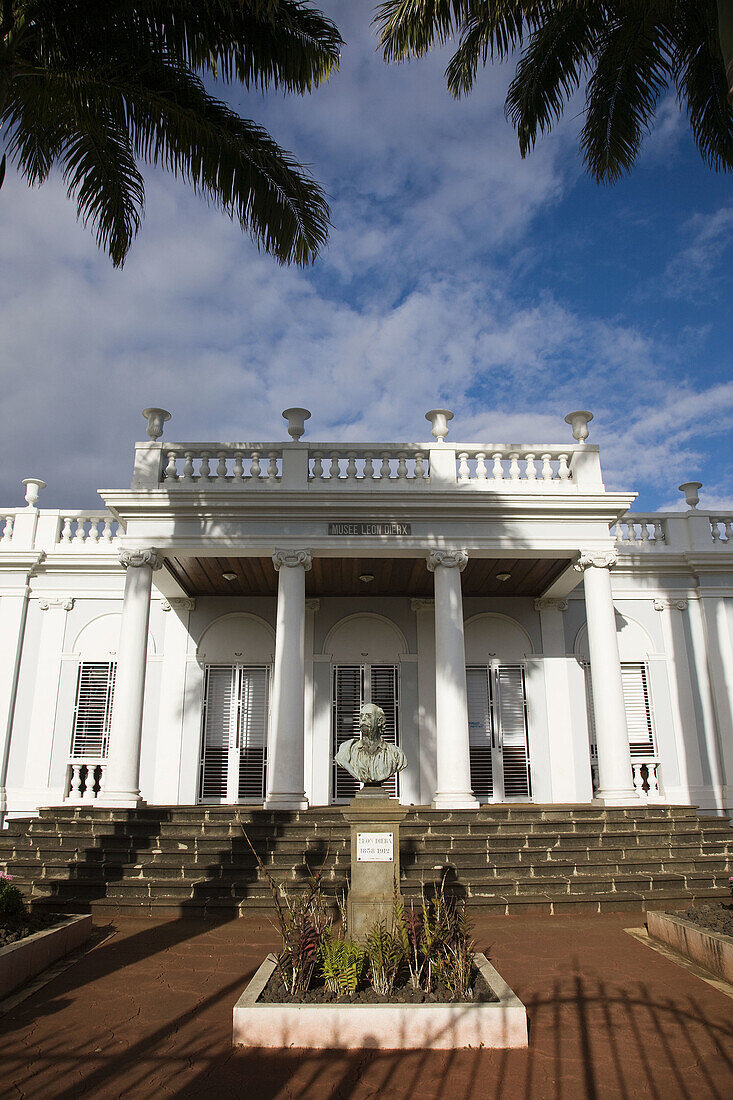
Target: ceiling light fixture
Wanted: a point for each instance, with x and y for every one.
(366, 578)
(503, 576)
(229, 576)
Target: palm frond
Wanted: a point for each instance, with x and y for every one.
(702, 85)
(632, 67)
(409, 28)
(551, 68)
(491, 31)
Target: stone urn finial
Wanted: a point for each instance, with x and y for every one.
(156, 418)
(691, 489)
(579, 421)
(296, 419)
(439, 419)
(33, 486)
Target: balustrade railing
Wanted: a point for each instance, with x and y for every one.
(721, 528)
(645, 773)
(218, 464)
(84, 780)
(502, 464)
(364, 463)
(640, 529)
(87, 529)
(7, 522)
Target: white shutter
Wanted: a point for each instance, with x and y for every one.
(220, 712)
(637, 704)
(93, 709)
(512, 713)
(479, 732)
(347, 699)
(383, 682)
(253, 714)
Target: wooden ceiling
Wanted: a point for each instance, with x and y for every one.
(340, 576)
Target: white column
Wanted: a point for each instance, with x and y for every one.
(451, 708)
(700, 660)
(169, 733)
(121, 782)
(286, 745)
(425, 615)
(720, 664)
(13, 607)
(684, 721)
(612, 737)
(43, 714)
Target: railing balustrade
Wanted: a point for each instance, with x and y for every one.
(217, 464)
(7, 521)
(721, 528)
(640, 530)
(507, 467)
(87, 529)
(362, 463)
(84, 780)
(645, 773)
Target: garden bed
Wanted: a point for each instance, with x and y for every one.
(347, 1023)
(29, 955)
(275, 992)
(27, 925)
(711, 950)
(713, 918)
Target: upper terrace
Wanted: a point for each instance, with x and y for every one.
(506, 470)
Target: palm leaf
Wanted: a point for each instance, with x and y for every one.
(632, 66)
(551, 68)
(702, 85)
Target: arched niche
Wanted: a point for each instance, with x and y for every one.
(634, 643)
(99, 639)
(237, 638)
(365, 638)
(492, 635)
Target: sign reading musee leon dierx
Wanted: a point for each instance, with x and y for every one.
(369, 529)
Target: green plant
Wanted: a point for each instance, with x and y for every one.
(11, 899)
(385, 957)
(342, 963)
(410, 926)
(455, 963)
(303, 922)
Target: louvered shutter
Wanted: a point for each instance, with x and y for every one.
(93, 710)
(253, 714)
(479, 732)
(637, 704)
(383, 683)
(512, 714)
(219, 724)
(347, 698)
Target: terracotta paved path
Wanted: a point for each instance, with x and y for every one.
(148, 1014)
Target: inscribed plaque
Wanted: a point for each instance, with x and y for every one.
(374, 847)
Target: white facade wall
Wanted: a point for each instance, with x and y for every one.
(61, 600)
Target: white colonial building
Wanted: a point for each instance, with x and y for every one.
(209, 635)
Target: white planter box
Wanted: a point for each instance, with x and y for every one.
(21, 961)
(712, 950)
(502, 1023)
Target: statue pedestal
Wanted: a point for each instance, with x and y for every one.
(375, 860)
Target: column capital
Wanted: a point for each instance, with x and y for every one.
(548, 603)
(598, 559)
(418, 603)
(670, 605)
(62, 603)
(313, 604)
(144, 556)
(292, 558)
(449, 559)
(178, 603)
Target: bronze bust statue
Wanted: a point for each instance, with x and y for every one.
(369, 758)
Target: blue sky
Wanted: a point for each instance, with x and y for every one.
(457, 274)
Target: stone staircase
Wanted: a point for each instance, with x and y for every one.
(194, 861)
